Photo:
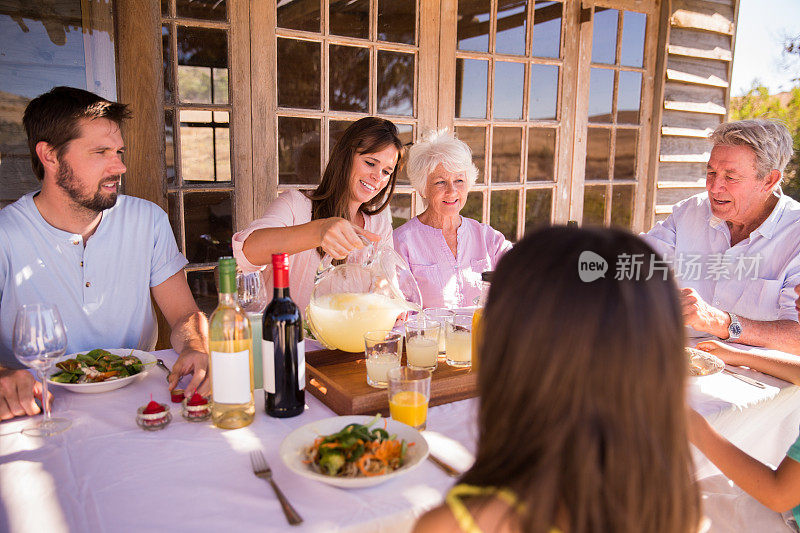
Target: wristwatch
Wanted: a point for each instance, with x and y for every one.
(735, 328)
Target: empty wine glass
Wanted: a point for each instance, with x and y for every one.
(40, 339)
(251, 294)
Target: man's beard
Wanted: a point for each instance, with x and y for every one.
(97, 202)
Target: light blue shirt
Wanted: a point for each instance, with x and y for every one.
(754, 278)
(102, 289)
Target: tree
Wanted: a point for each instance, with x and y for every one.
(785, 107)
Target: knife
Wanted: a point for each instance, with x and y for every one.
(746, 379)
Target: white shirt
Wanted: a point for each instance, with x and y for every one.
(754, 278)
(293, 208)
(101, 287)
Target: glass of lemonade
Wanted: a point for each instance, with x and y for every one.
(458, 340)
(382, 350)
(422, 343)
(442, 316)
(409, 393)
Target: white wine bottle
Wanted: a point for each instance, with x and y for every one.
(230, 344)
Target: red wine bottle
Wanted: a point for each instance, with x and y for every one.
(283, 348)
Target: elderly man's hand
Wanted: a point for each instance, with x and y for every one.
(18, 389)
(701, 316)
(195, 363)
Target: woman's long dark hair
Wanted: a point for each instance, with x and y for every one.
(582, 383)
(364, 136)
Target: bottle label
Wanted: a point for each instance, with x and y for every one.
(268, 365)
(230, 377)
(268, 362)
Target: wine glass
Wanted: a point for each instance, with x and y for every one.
(39, 339)
(250, 292)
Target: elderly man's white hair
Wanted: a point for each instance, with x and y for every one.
(770, 141)
(439, 148)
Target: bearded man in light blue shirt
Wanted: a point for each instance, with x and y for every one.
(95, 254)
(735, 249)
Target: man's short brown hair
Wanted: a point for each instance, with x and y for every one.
(53, 117)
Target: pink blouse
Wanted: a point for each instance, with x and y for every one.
(293, 208)
(444, 280)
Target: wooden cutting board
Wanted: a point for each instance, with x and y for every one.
(339, 380)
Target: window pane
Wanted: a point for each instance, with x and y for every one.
(298, 151)
(622, 206)
(349, 68)
(165, 7)
(298, 73)
(406, 132)
(349, 17)
(538, 206)
(601, 94)
(473, 25)
(544, 92)
(598, 148)
(174, 213)
(506, 148)
(594, 205)
(336, 129)
(541, 154)
(625, 155)
(397, 20)
(604, 35)
(504, 213)
(202, 59)
(632, 44)
(205, 146)
(473, 207)
(395, 83)
(204, 289)
(166, 46)
(208, 224)
(299, 15)
(401, 209)
(547, 29)
(512, 20)
(216, 10)
(476, 140)
(169, 145)
(628, 99)
(509, 80)
(471, 79)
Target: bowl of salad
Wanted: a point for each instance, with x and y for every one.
(100, 370)
(353, 451)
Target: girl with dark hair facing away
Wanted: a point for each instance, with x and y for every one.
(582, 424)
(350, 203)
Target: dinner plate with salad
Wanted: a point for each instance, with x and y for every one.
(354, 451)
(100, 370)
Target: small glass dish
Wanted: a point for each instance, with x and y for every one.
(154, 421)
(196, 413)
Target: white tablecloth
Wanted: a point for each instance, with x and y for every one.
(106, 474)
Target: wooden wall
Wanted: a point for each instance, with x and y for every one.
(696, 95)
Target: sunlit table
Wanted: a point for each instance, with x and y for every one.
(106, 474)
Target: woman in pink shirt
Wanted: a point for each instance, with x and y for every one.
(349, 202)
(447, 252)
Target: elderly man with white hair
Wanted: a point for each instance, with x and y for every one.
(735, 249)
(447, 252)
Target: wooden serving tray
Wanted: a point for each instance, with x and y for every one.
(339, 380)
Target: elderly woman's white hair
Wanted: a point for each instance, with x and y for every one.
(439, 148)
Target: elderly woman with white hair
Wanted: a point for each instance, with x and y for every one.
(447, 252)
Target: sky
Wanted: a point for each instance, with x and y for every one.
(757, 54)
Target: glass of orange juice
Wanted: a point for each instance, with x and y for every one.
(409, 393)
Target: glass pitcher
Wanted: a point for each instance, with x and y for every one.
(368, 292)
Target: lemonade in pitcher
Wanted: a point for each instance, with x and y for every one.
(340, 320)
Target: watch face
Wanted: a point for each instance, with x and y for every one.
(735, 330)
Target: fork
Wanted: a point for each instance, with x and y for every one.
(261, 469)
